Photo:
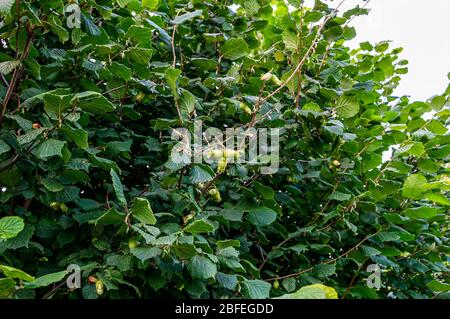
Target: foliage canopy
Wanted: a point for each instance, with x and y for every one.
(85, 141)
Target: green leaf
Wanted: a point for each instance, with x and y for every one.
(123, 3)
(187, 103)
(227, 281)
(52, 185)
(437, 127)
(142, 211)
(123, 263)
(347, 106)
(118, 187)
(422, 212)
(290, 40)
(55, 104)
(57, 29)
(95, 103)
(121, 71)
(11, 272)
(201, 174)
(50, 148)
(139, 55)
(438, 198)
(187, 16)
(7, 285)
(333, 33)
(266, 191)
(438, 102)
(5, 6)
(262, 216)
(46, 280)
(146, 253)
(8, 66)
(438, 286)
(338, 196)
(256, 289)
(150, 4)
(199, 226)
(110, 217)
(251, 7)
(78, 136)
(21, 240)
(414, 186)
(172, 76)
(201, 267)
(4, 148)
(139, 34)
(234, 49)
(316, 291)
(10, 226)
(325, 270)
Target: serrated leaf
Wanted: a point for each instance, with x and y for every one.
(262, 216)
(78, 136)
(201, 174)
(118, 187)
(187, 16)
(55, 104)
(438, 198)
(94, 103)
(150, 4)
(145, 253)
(290, 40)
(11, 226)
(414, 186)
(57, 29)
(11, 272)
(199, 226)
(201, 267)
(121, 71)
(438, 286)
(4, 148)
(234, 49)
(316, 291)
(339, 196)
(422, 212)
(172, 75)
(50, 148)
(47, 280)
(52, 185)
(143, 212)
(7, 286)
(5, 6)
(256, 289)
(325, 270)
(7, 67)
(347, 107)
(139, 55)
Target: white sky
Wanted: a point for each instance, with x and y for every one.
(422, 28)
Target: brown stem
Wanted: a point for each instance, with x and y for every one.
(16, 76)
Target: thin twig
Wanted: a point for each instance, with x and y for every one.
(310, 51)
(174, 63)
(331, 261)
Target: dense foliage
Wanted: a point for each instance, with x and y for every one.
(85, 140)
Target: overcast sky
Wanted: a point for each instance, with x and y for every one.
(422, 28)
